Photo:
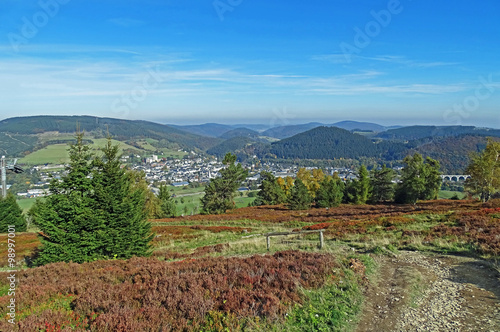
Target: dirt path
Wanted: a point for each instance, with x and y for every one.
(417, 292)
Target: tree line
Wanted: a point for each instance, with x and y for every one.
(420, 179)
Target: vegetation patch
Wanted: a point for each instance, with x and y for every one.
(142, 294)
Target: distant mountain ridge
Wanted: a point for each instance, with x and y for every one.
(451, 145)
(418, 132)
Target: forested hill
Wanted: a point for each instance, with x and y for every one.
(418, 132)
(332, 142)
(117, 128)
(453, 153)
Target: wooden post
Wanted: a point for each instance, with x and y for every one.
(321, 242)
(268, 243)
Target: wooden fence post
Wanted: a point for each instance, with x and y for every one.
(268, 243)
(321, 242)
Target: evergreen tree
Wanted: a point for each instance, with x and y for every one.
(96, 211)
(363, 186)
(358, 191)
(300, 198)
(122, 204)
(419, 180)
(350, 192)
(270, 191)
(11, 214)
(382, 185)
(330, 193)
(484, 170)
(167, 204)
(71, 227)
(219, 193)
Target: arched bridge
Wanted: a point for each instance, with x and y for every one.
(454, 178)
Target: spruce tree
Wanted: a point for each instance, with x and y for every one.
(219, 193)
(71, 228)
(167, 204)
(11, 214)
(122, 204)
(96, 211)
(330, 193)
(300, 198)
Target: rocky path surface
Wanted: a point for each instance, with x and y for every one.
(418, 292)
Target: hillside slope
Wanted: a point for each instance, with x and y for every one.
(333, 142)
(100, 127)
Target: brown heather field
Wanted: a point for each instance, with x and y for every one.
(213, 273)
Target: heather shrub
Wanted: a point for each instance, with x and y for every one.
(145, 294)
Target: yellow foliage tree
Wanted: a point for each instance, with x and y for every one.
(311, 179)
(286, 184)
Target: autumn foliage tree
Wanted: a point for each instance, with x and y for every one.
(311, 179)
(484, 170)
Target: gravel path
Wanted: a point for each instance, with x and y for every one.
(416, 292)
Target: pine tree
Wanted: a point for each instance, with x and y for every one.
(300, 198)
(167, 204)
(330, 193)
(382, 185)
(11, 214)
(270, 191)
(219, 193)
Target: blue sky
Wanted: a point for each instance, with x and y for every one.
(256, 61)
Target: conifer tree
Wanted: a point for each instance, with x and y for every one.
(419, 180)
(358, 191)
(71, 228)
(363, 186)
(95, 212)
(219, 193)
(270, 191)
(11, 214)
(167, 204)
(122, 204)
(330, 193)
(300, 198)
(382, 185)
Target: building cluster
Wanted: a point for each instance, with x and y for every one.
(182, 172)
